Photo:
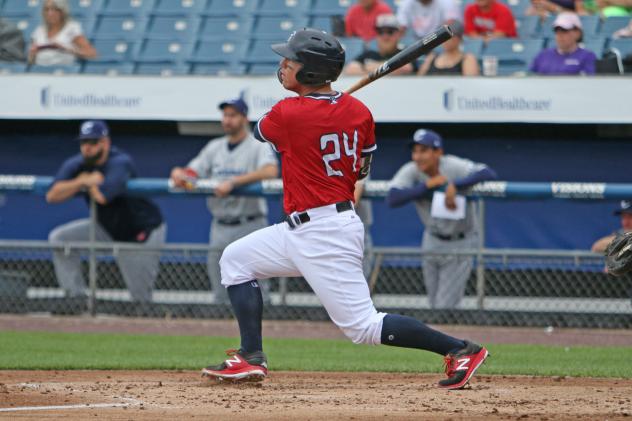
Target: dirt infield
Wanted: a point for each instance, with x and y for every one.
(299, 395)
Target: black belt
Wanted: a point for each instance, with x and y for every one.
(238, 221)
(296, 219)
(458, 236)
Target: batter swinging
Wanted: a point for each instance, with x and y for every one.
(326, 140)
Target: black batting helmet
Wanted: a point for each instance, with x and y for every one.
(320, 53)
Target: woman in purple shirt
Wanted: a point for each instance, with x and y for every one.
(567, 57)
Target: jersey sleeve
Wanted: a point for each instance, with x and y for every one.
(265, 156)
(369, 145)
(404, 177)
(117, 173)
(270, 129)
(201, 164)
(68, 170)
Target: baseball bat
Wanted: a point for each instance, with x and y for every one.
(408, 54)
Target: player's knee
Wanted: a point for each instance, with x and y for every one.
(367, 331)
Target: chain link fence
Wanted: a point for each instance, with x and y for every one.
(505, 287)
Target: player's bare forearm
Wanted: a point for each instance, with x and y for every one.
(601, 244)
(61, 191)
(263, 173)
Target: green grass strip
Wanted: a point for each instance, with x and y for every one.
(59, 351)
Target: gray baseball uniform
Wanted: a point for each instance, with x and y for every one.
(233, 216)
(445, 276)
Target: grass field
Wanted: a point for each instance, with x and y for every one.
(42, 350)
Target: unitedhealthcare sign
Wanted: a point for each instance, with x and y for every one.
(455, 102)
(52, 99)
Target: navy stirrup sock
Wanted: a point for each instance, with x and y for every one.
(248, 308)
(406, 332)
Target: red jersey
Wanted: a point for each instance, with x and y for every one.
(499, 18)
(360, 23)
(321, 139)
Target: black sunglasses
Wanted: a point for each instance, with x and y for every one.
(389, 31)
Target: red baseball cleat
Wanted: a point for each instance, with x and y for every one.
(241, 366)
(461, 366)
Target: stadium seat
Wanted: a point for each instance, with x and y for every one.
(528, 26)
(331, 7)
(113, 51)
(260, 52)
(25, 23)
(179, 7)
(234, 8)
(518, 7)
(162, 69)
(21, 7)
(624, 45)
(109, 69)
(473, 46)
(218, 69)
(283, 7)
(161, 51)
(596, 45)
(590, 26)
(9, 68)
(353, 47)
(119, 27)
(137, 8)
(226, 51)
(73, 69)
(85, 9)
(230, 27)
(321, 22)
(277, 27)
(263, 69)
(172, 27)
(513, 55)
(613, 24)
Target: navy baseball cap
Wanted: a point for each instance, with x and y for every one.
(93, 129)
(427, 138)
(625, 206)
(238, 103)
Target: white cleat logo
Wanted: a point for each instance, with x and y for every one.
(236, 360)
(462, 364)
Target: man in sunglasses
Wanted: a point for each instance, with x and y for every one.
(100, 172)
(388, 36)
(566, 57)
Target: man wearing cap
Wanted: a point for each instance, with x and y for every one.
(424, 16)
(419, 181)
(489, 19)
(233, 160)
(388, 36)
(100, 172)
(361, 17)
(567, 57)
(624, 211)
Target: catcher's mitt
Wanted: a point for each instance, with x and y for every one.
(619, 255)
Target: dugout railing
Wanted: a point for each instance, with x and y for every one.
(505, 287)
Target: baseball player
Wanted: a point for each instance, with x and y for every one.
(326, 141)
(445, 275)
(234, 160)
(101, 171)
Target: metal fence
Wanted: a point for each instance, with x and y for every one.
(505, 287)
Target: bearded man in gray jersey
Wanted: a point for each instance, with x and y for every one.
(233, 160)
(445, 275)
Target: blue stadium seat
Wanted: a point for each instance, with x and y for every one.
(179, 7)
(225, 51)
(218, 69)
(263, 69)
(518, 7)
(113, 51)
(513, 55)
(109, 69)
(162, 69)
(512, 69)
(25, 23)
(73, 69)
(394, 4)
(9, 68)
(590, 26)
(596, 45)
(229, 27)
(161, 51)
(85, 9)
(283, 7)
(277, 27)
(119, 27)
(172, 27)
(473, 46)
(353, 47)
(127, 7)
(331, 7)
(260, 52)
(21, 7)
(624, 45)
(321, 22)
(613, 24)
(235, 8)
(528, 26)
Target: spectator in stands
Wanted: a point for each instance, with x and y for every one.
(424, 16)
(625, 32)
(59, 41)
(567, 57)
(544, 8)
(609, 8)
(451, 60)
(12, 46)
(100, 172)
(449, 220)
(625, 213)
(388, 36)
(361, 18)
(489, 19)
(233, 160)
